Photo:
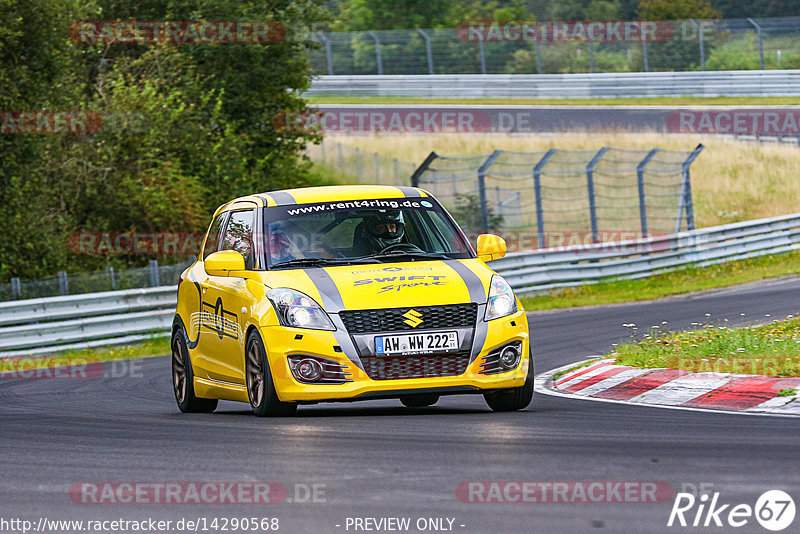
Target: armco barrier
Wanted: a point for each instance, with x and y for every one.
(553, 268)
(599, 85)
(41, 326)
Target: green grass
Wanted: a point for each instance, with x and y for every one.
(787, 393)
(152, 348)
(655, 101)
(771, 350)
(678, 282)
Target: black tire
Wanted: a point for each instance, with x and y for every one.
(419, 401)
(260, 388)
(183, 378)
(513, 399)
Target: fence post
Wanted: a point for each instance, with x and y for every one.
(537, 190)
(700, 38)
(760, 42)
(322, 151)
(376, 159)
(428, 50)
(590, 187)
(591, 56)
(396, 171)
(644, 50)
(359, 170)
(377, 50)
(537, 51)
(154, 281)
(482, 188)
(640, 183)
(482, 53)
(421, 169)
(16, 288)
(686, 191)
(113, 276)
(63, 283)
(341, 156)
(328, 54)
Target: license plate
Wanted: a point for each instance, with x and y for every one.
(427, 343)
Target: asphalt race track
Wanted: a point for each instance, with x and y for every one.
(382, 460)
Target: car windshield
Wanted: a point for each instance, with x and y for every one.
(361, 231)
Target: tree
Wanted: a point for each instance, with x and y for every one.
(678, 53)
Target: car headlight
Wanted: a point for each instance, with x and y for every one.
(299, 310)
(501, 301)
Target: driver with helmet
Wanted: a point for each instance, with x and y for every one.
(382, 230)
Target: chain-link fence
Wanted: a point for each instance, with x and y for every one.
(546, 47)
(154, 275)
(565, 197)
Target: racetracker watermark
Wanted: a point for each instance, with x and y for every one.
(564, 492)
(69, 122)
(67, 368)
(736, 121)
(177, 31)
(555, 31)
(207, 492)
(384, 120)
(135, 243)
(632, 241)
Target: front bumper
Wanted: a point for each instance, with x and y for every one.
(282, 342)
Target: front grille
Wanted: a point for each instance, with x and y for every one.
(423, 366)
(383, 320)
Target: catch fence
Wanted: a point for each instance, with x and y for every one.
(548, 47)
(565, 197)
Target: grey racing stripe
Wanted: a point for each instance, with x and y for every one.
(282, 198)
(476, 294)
(331, 298)
(408, 192)
(474, 285)
(333, 304)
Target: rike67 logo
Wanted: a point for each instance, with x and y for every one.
(774, 510)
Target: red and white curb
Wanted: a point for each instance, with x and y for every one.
(602, 380)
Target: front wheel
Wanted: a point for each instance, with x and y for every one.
(260, 387)
(183, 378)
(513, 399)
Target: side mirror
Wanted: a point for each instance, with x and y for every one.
(222, 262)
(491, 247)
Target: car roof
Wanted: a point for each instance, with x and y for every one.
(330, 193)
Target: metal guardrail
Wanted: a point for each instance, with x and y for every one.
(45, 325)
(600, 85)
(41, 326)
(554, 268)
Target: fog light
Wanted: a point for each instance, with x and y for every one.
(309, 370)
(509, 357)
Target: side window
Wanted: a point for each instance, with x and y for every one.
(212, 241)
(239, 235)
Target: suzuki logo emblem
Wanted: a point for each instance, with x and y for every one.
(413, 318)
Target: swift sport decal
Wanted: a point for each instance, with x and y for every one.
(397, 283)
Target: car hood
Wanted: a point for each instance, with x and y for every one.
(395, 285)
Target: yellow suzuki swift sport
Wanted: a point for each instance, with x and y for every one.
(346, 293)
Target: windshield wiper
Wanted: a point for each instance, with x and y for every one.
(421, 255)
(319, 262)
